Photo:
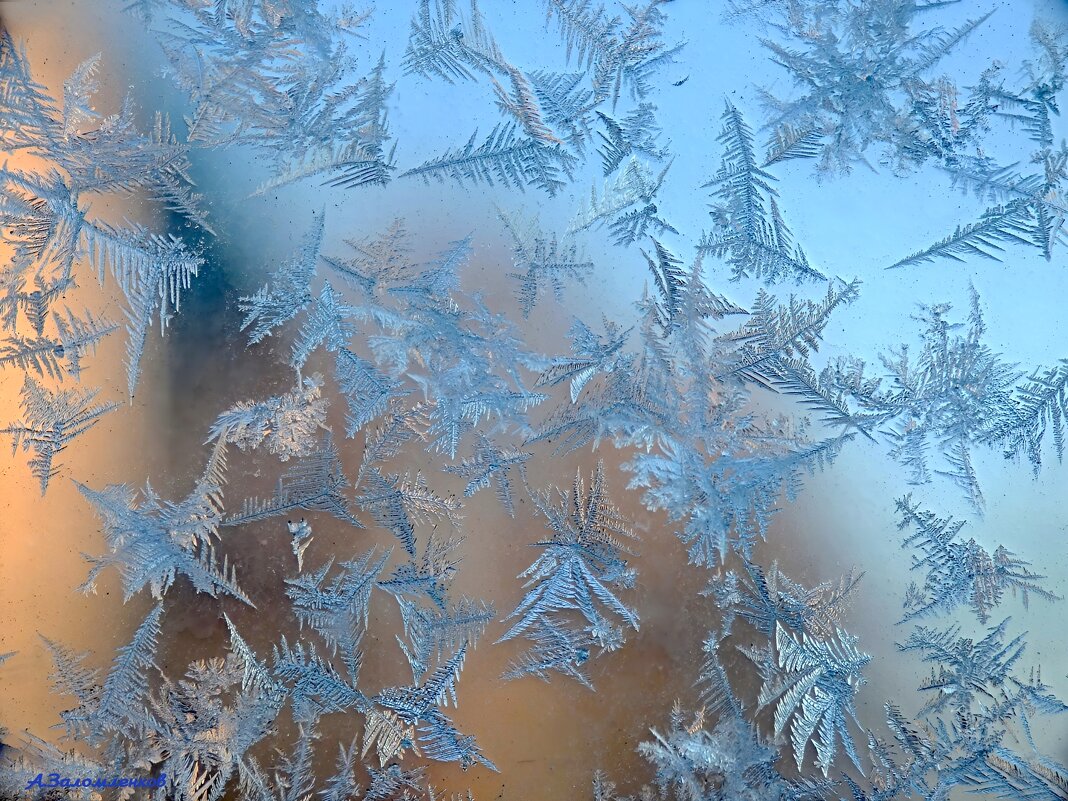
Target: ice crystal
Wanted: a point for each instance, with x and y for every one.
(683, 386)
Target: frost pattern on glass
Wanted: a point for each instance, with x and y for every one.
(720, 408)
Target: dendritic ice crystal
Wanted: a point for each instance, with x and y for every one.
(655, 378)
